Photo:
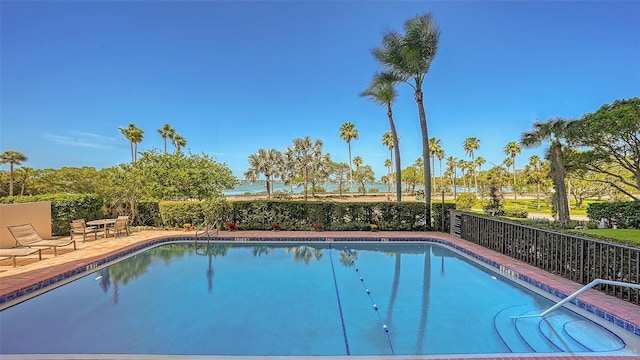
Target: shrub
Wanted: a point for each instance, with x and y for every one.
(465, 201)
(516, 213)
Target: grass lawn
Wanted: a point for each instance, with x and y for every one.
(626, 235)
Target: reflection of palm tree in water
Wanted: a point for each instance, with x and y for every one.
(210, 273)
(304, 253)
(426, 283)
(394, 288)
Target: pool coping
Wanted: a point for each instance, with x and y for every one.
(618, 312)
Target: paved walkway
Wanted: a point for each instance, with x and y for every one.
(32, 271)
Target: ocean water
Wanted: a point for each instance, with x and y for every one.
(245, 187)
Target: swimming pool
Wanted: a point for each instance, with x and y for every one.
(296, 299)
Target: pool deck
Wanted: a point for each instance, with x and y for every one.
(31, 271)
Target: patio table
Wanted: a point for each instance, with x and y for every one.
(102, 223)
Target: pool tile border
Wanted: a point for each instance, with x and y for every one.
(505, 271)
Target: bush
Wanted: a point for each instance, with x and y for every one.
(64, 208)
(627, 213)
(465, 201)
(516, 213)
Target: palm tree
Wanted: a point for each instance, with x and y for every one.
(304, 153)
(440, 155)
(12, 157)
(470, 145)
(382, 91)
(554, 131)
(167, 132)
(409, 57)
(434, 146)
(178, 141)
(357, 161)
(388, 164)
(348, 132)
(267, 162)
(134, 135)
(512, 149)
(535, 171)
(452, 166)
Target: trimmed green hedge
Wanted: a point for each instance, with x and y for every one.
(64, 208)
(296, 215)
(626, 213)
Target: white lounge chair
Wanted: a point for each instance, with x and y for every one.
(27, 237)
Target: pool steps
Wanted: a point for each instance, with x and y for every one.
(552, 334)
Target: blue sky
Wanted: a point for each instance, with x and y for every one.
(234, 77)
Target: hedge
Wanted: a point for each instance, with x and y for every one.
(626, 213)
(64, 208)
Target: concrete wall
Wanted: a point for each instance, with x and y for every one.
(36, 213)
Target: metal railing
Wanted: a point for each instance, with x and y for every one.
(573, 257)
(204, 232)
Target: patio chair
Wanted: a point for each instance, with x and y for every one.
(79, 226)
(15, 252)
(118, 226)
(27, 237)
(126, 222)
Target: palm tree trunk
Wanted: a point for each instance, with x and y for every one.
(268, 186)
(396, 149)
(561, 191)
(350, 170)
(425, 156)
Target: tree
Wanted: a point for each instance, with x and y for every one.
(470, 145)
(434, 147)
(440, 155)
(339, 175)
(363, 175)
(409, 58)
(357, 161)
(304, 153)
(134, 135)
(554, 131)
(267, 162)
(178, 141)
(512, 149)
(612, 136)
(382, 91)
(387, 179)
(452, 166)
(348, 132)
(537, 172)
(167, 132)
(184, 176)
(12, 157)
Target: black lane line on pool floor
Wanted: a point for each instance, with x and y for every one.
(373, 302)
(335, 284)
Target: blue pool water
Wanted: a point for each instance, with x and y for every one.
(279, 299)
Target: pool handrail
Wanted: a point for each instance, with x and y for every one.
(575, 294)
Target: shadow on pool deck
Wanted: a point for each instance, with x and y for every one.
(31, 271)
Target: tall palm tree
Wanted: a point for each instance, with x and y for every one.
(388, 164)
(440, 155)
(267, 162)
(349, 132)
(434, 146)
(512, 149)
(382, 91)
(134, 135)
(167, 132)
(409, 57)
(470, 145)
(452, 166)
(178, 141)
(304, 153)
(554, 131)
(12, 157)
